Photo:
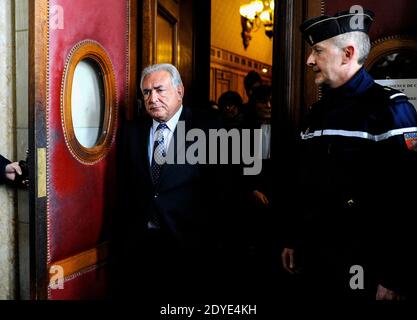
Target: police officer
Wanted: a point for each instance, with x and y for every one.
(349, 235)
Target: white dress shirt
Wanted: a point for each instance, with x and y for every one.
(171, 124)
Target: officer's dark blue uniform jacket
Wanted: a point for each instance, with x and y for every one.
(356, 171)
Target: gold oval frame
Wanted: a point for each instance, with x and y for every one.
(388, 45)
(89, 49)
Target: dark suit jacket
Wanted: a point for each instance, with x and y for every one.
(3, 163)
(182, 200)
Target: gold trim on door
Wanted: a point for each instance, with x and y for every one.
(89, 49)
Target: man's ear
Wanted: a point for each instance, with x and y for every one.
(348, 54)
(180, 91)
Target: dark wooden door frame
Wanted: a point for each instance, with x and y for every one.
(292, 82)
(201, 51)
(194, 56)
(38, 61)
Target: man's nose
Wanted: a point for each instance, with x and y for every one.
(153, 96)
(310, 60)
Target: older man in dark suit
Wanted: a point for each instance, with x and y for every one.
(165, 203)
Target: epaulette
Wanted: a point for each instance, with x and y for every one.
(391, 107)
(388, 93)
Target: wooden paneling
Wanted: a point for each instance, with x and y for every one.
(38, 81)
(82, 261)
(186, 58)
(159, 30)
(228, 71)
(310, 92)
(200, 85)
(147, 28)
(287, 77)
(186, 25)
(171, 6)
(166, 38)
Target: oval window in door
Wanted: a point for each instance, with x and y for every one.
(88, 102)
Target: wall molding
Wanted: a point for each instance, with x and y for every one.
(239, 62)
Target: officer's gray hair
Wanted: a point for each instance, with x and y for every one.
(360, 40)
(173, 72)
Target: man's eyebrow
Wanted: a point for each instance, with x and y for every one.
(154, 88)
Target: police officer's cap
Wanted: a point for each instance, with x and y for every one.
(325, 27)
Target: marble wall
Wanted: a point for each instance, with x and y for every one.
(7, 149)
(14, 208)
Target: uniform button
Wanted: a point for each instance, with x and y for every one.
(351, 203)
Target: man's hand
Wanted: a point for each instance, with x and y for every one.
(260, 197)
(383, 293)
(287, 257)
(11, 170)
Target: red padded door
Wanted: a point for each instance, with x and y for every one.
(74, 193)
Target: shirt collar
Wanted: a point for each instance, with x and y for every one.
(171, 123)
(358, 84)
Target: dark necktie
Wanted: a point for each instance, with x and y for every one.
(159, 153)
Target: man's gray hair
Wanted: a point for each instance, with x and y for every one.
(175, 75)
(360, 40)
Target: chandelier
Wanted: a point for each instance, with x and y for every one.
(255, 14)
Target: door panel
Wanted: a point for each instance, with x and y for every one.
(166, 44)
(91, 284)
(190, 23)
(80, 195)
